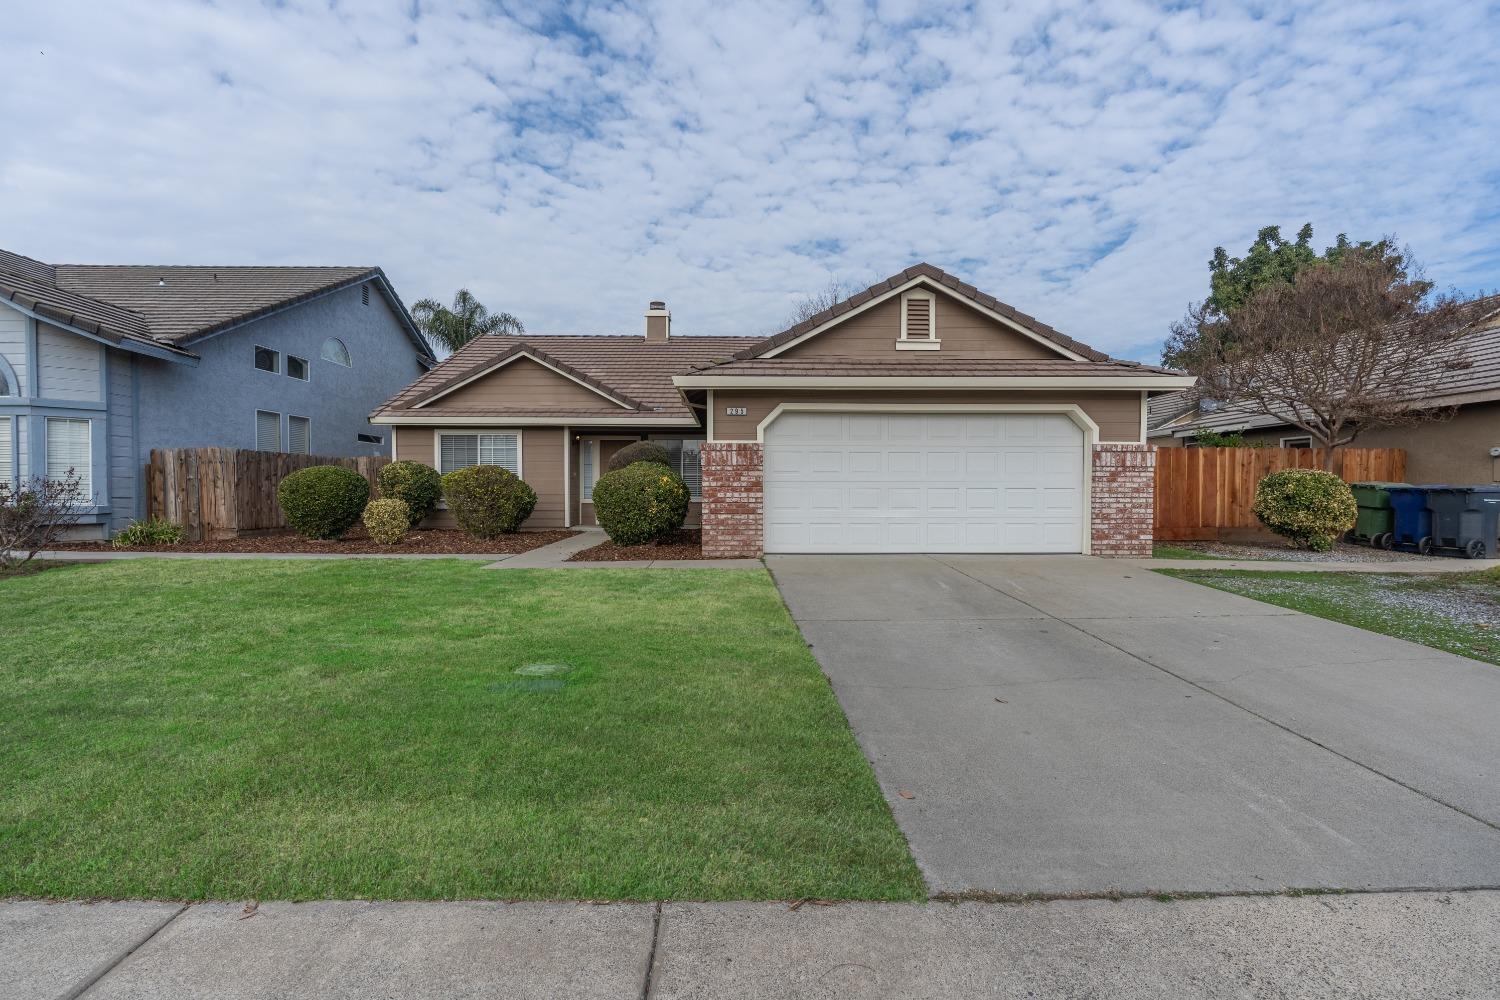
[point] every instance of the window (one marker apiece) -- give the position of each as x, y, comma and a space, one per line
7, 450
299, 435
918, 322
267, 430
459, 451
70, 446
370, 439
5, 389
1297, 442
267, 360
296, 367
687, 462
588, 468
335, 351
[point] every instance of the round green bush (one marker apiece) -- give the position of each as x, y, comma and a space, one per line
487, 500
1308, 507
387, 520
640, 503
323, 501
640, 451
418, 485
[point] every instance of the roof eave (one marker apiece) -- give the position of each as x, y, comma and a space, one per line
1120, 382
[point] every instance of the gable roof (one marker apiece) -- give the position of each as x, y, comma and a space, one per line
625, 368
1471, 374
938, 278
171, 306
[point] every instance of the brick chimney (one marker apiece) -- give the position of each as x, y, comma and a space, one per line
658, 323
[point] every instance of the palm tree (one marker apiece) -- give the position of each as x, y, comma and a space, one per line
451, 327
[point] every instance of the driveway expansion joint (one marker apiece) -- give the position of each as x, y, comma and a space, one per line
94, 978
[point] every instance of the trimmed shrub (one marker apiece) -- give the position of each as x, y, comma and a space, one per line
640, 451
418, 485
640, 503
487, 500
153, 532
323, 501
387, 520
1308, 507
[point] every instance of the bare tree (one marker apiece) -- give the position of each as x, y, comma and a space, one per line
1344, 347
36, 514
830, 295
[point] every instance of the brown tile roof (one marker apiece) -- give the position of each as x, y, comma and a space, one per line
940, 277
414, 396
834, 367
628, 366
172, 305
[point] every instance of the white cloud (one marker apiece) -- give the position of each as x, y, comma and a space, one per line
1078, 160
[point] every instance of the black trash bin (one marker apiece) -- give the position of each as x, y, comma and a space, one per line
1466, 518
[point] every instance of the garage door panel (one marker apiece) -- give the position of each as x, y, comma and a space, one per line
913, 482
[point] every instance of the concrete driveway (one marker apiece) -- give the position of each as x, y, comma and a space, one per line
1071, 725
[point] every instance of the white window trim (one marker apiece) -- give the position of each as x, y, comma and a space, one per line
255, 430
275, 371
906, 342
88, 468
297, 416
440, 432
9, 449
1296, 437
306, 366
347, 353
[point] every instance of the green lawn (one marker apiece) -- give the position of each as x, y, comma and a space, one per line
1456, 612
381, 729
1176, 552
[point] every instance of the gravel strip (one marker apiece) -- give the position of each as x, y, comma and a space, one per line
1461, 602
1342, 552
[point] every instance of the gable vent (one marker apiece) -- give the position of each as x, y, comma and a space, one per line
364, 295
918, 317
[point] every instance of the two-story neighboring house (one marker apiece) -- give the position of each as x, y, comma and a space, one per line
919, 415
99, 364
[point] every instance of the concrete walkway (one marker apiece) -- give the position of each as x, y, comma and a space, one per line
1368, 946
1060, 724
556, 556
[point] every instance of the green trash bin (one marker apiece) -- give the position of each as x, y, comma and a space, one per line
1376, 519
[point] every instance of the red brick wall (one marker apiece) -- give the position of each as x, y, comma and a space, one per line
1123, 488
733, 499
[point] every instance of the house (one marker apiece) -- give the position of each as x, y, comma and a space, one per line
101, 364
1457, 450
919, 415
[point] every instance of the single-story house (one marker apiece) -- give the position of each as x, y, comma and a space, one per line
919, 415
1457, 450
99, 364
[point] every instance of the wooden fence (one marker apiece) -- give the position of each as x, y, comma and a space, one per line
217, 493
1205, 493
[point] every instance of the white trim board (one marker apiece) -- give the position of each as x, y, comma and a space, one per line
528, 355
577, 423
927, 282
903, 382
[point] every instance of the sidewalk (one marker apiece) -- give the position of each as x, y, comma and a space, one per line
1368, 946
555, 556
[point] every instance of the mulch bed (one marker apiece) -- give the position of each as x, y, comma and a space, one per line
684, 544
356, 542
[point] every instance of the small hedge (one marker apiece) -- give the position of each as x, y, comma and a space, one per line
153, 532
323, 501
387, 520
640, 451
640, 503
418, 485
487, 500
1308, 507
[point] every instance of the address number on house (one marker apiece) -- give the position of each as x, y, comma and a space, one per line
735, 411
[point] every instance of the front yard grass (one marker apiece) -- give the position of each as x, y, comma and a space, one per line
400, 730
1455, 612
1160, 551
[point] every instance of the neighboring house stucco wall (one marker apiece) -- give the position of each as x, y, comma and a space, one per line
214, 404
13, 334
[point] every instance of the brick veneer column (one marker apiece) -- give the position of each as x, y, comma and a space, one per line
733, 499
1124, 488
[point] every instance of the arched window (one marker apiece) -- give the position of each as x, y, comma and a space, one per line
335, 351
8, 384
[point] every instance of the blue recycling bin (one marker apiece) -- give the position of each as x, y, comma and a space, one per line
1412, 523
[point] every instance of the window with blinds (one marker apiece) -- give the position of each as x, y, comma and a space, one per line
916, 317
459, 451
687, 462
7, 450
267, 430
70, 446
588, 466
299, 435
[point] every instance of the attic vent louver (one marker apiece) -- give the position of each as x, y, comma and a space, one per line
918, 322
364, 295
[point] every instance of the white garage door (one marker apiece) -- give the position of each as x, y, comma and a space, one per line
923, 482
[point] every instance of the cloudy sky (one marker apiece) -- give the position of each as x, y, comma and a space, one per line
568, 163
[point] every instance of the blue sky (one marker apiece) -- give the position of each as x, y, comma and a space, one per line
568, 163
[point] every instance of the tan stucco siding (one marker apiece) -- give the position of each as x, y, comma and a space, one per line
1118, 414
520, 383
541, 467
962, 331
